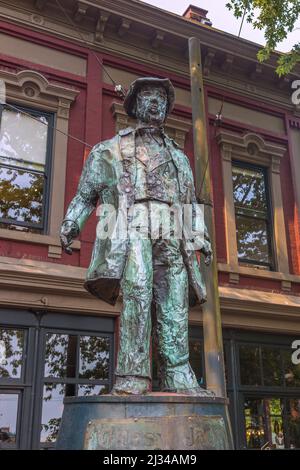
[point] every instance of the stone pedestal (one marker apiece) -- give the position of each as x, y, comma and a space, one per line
158, 421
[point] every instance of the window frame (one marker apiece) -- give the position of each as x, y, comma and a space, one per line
37, 324
268, 219
43, 226
32, 89
251, 148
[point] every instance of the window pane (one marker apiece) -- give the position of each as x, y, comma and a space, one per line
23, 140
249, 190
21, 195
86, 390
53, 397
250, 365
271, 363
196, 351
11, 353
252, 240
291, 371
60, 355
8, 419
264, 423
274, 425
293, 423
254, 419
94, 357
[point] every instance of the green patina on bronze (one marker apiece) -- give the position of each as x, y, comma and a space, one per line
147, 167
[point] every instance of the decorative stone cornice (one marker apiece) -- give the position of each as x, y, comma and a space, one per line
250, 147
26, 283
158, 39
80, 10
227, 63
294, 123
33, 87
145, 22
176, 128
124, 27
101, 25
208, 62
256, 71
40, 4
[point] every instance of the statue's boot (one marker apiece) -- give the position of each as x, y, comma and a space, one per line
131, 385
181, 379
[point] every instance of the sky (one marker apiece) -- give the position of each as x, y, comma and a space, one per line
223, 19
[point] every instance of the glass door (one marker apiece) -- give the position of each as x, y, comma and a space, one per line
272, 422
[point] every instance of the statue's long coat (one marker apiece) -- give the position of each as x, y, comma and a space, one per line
101, 181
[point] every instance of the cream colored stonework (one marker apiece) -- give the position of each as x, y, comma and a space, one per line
25, 50
247, 116
253, 148
55, 98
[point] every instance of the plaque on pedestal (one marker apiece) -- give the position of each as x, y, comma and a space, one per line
158, 421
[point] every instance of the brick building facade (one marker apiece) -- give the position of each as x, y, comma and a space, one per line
56, 339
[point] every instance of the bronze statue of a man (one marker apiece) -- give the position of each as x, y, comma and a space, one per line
144, 167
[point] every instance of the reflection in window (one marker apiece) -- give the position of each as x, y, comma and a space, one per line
264, 423
53, 397
271, 361
8, 419
60, 355
293, 423
252, 214
291, 371
94, 357
196, 359
89, 389
11, 353
250, 369
23, 149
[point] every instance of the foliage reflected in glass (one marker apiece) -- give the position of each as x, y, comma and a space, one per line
94, 357
11, 353
255, 433
23, 149
251, 209
264, 423
250, 367
21, 195
272, 370
53, 396
8, 420
196, 359
88, 389
291, 371
293, 423
252, 240
60, 355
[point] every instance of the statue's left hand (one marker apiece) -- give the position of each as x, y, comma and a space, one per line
69, 231
207, 251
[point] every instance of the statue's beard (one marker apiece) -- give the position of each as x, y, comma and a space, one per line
149, 116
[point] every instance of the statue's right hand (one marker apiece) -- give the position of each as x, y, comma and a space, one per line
69, 231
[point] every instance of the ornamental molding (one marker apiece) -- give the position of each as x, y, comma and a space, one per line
32, 88
294, 123
175, 128
250, 147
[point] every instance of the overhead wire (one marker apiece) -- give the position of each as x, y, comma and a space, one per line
218, 119
19, 110
118, 88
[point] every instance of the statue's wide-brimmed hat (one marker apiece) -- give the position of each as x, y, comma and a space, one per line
129, 102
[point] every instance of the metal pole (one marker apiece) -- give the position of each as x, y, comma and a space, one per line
212, 326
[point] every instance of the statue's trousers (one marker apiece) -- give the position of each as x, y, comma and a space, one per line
155, 272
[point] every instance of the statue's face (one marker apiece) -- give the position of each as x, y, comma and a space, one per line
151, 104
